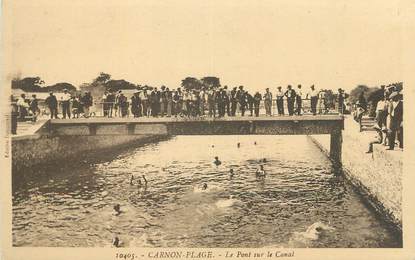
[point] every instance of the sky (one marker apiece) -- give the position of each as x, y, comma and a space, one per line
258, 44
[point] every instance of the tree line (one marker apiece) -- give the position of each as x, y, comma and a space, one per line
36, 84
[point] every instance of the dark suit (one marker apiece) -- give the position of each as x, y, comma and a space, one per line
396, 125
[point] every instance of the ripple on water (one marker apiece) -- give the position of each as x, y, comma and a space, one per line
74, 206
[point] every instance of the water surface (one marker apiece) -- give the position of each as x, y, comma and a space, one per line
302, 202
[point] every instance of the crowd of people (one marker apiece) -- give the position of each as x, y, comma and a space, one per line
389, 116
215, 102
163, 102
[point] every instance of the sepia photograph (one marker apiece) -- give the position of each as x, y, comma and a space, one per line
165, 125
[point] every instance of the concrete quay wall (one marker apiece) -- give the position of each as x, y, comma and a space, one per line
31, 150
377, 176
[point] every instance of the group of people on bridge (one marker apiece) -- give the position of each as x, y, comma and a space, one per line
216, 102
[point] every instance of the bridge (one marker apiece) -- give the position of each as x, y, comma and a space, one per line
284, 125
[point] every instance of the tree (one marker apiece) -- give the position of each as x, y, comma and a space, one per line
191, 83
355, 93
116, 85
102, 78
28, 84
59, 87
211, 82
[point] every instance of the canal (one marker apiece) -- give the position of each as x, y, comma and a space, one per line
302, 201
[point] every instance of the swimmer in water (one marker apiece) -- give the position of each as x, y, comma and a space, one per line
231, 173
238, 145
255, 143
116, 242
264, 160
205, 186
117, 209
260, 173
213, 146
217, 162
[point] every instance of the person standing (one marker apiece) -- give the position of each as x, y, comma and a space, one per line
23, 106
240, 96
65, 100
105, 105
234, 101
243, 102
144, 102
220, 102
76, 107
299, 100
52, 104
291, 95
396, 116
136, 104
202, 101
250, 101
117, 111
381, 111
169, 97
34, 107
110, 99
280, 101
151, 100
123, 105
313, 96
227, 100
340, 99
321, 95
14, 115
268, 102
211, 102
87, 103
163, 101
257, 101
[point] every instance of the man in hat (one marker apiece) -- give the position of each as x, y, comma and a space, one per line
313, 96
267, 102
65, 101
280, 101
299, 100
110, 100
291, 95
52, 104
234, 101
341, 96
396, 126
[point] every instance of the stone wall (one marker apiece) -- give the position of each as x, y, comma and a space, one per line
377, 176
37, 149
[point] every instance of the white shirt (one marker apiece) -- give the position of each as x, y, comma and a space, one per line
66, 97
381, 105
21, 102
313, 93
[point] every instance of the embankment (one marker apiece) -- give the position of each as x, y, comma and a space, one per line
377, 176
31, 150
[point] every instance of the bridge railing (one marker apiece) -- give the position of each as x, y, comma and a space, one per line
97, 109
